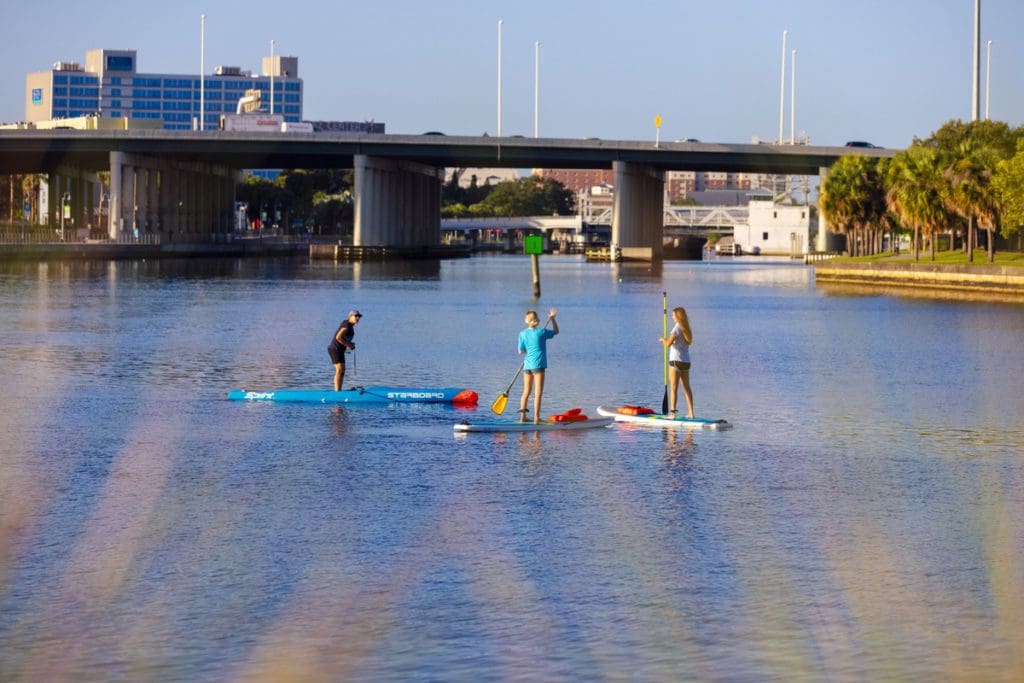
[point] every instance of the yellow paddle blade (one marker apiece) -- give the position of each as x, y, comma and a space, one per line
498, 407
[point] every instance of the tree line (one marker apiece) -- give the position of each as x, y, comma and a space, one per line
962, 178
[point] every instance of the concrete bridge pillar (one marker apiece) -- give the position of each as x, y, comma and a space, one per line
398, 203
822, 240
637, 221
115, 218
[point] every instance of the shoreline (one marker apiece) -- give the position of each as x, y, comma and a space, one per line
995, 280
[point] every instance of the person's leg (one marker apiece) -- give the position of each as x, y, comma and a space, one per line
539, 380
527, 388
673, 388
339, 375
687, 392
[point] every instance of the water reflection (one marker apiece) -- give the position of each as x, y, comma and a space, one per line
863, 520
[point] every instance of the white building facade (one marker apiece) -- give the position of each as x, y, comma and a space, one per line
111, 85
777, 229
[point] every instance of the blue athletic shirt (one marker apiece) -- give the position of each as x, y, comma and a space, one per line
533, 340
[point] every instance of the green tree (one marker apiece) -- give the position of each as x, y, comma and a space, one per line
1008, 184
914, 183
529, 196
969, 191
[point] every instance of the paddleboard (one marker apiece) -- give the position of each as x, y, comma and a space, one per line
664, 420
544, 426
371, 394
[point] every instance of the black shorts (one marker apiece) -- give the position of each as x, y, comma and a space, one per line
535, 371
337, 354
679, 365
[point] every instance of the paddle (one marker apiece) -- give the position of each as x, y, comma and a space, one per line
664, 326
498, 407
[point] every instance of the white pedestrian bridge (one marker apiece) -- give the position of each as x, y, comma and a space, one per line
699, 219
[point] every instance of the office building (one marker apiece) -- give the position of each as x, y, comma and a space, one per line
111, 85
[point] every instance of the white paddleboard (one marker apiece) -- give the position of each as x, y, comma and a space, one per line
664, 420
516, 426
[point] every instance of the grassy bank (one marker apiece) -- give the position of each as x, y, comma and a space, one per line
1006, 258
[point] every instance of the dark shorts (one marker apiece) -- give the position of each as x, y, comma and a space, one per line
337, 354
534, 371
679, 365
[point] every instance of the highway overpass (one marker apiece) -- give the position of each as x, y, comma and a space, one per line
182, 181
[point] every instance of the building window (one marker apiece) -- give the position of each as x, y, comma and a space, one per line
60, 78
764, 236
775, 214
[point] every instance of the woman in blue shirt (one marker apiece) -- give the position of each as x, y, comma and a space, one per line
533, 342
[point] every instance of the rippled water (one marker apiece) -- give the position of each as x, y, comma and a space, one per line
864, 519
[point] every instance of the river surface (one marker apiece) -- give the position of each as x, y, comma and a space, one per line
863, 520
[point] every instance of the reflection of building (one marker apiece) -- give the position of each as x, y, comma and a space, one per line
111, 85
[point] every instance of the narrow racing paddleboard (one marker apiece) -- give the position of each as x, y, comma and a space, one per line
372, 394
663, 420
516, 426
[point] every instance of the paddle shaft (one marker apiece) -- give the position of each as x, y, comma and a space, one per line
664, 327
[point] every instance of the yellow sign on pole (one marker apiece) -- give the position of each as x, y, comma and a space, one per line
657, 121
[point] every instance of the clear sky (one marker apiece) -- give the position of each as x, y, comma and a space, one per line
877, 70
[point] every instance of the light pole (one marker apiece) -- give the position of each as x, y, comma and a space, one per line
976, 71
202, 72
792, 99
499, 77
782, 87
536, 89
988, 77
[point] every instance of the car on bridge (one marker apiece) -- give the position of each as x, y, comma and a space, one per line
861, 143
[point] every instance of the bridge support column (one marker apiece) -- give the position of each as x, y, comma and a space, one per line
823, 241
398, 203
637, 220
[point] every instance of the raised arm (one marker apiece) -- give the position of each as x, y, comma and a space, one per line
554, 322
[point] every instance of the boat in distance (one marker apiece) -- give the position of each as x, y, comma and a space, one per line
370, 394
662, 420
517, 426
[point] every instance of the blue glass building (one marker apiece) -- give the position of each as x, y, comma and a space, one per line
111, 85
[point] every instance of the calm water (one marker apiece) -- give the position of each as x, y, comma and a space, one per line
864, 520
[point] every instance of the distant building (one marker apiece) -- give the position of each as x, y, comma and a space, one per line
780, 229
578, 179
111, 86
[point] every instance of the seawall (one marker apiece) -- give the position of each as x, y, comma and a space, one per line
993, 279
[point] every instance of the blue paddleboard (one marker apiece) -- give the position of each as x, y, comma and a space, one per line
371, 394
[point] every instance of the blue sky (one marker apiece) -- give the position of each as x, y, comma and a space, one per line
877, 70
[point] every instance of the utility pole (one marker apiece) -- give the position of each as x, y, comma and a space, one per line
536, 89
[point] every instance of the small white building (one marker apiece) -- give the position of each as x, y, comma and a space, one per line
777, 229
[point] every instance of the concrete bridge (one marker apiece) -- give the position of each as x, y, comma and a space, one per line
182, 182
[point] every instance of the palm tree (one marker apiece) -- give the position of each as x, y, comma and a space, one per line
852, 198
1008, 184
969, 192
914, 184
